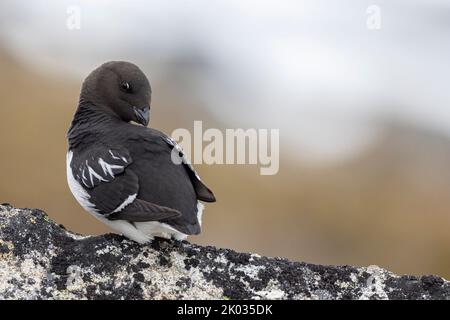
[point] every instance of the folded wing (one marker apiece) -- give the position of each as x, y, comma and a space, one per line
202, 191
113, 187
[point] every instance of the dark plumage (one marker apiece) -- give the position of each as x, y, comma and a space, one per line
123, 173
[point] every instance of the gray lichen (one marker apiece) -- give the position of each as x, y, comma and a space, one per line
41, 260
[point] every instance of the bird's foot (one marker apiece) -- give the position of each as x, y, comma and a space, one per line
140, 238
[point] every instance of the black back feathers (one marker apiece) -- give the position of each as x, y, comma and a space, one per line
202, 191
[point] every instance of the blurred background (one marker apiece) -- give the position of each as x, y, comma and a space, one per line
360, 94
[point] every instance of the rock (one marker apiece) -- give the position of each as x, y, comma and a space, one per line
42, 260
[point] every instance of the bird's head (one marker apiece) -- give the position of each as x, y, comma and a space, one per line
120, 88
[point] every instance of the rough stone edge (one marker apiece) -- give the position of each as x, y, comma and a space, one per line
42, 260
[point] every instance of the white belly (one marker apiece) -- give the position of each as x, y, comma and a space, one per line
77, 190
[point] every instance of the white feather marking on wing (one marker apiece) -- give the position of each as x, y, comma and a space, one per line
93, 174
108, 168
127, 201
113, 156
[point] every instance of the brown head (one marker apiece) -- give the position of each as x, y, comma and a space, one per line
120, 88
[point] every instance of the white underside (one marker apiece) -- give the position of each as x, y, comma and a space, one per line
78, 191
140, 232
144, 232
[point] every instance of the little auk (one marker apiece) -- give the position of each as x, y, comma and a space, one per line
123, 173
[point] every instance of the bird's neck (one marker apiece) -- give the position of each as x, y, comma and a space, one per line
89, 122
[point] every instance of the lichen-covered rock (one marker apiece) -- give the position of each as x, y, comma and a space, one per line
41, 260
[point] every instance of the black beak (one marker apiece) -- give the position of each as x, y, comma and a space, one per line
142, 115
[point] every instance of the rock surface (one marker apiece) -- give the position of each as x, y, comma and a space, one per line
41, 260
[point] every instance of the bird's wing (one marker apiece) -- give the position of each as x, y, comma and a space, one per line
113, 188
202, 191
101, 165
140, 211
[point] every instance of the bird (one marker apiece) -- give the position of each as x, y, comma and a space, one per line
122, 171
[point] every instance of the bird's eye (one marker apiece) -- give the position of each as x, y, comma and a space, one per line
126, 86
